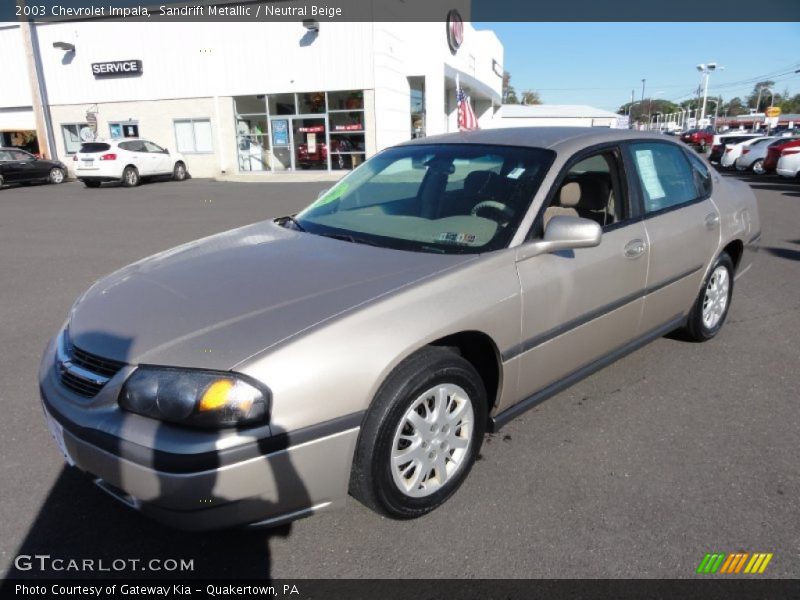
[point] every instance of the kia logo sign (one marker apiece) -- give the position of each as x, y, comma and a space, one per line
117, 68
455, 30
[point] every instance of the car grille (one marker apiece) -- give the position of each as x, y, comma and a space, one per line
83, 372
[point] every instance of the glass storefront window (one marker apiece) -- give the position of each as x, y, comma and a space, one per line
246, 105
311, 103
347, 121
281, 104
347, 100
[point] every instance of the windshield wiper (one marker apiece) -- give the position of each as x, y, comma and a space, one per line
293, 221
346, 237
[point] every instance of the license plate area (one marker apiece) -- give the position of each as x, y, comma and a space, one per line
87, 162
57, 431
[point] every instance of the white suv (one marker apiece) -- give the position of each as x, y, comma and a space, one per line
128, 161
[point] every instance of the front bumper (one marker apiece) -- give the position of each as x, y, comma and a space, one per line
174, 478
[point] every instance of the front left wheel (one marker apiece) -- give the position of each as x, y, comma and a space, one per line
421, 435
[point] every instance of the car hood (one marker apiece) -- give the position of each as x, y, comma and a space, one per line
215, 302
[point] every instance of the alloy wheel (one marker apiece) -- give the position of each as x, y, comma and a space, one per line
715, 300
432, 441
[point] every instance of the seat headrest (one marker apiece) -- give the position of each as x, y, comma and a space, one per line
594, 192
570, 194
480, 183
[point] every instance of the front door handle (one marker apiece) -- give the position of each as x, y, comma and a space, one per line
635, 248
712, 220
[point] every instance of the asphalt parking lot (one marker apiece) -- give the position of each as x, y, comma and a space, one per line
677, 450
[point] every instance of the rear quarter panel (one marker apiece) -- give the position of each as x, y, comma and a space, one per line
739, 217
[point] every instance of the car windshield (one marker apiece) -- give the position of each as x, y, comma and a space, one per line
448, 198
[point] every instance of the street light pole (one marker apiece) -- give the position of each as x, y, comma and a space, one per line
641, 105
706, 70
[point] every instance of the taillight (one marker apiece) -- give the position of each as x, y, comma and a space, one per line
745, 151
109, 156
74, 158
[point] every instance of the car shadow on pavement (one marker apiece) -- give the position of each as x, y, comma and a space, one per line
78, 521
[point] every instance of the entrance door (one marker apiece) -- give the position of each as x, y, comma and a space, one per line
281, 144
310, 150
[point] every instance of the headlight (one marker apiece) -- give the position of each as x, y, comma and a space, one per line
196, 398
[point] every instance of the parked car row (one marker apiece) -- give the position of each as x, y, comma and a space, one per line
757, 153
128, 161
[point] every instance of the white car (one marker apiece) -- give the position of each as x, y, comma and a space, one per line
734, 151
752, 157
128, 161
789, 162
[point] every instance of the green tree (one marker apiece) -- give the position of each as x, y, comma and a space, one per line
734, 107
760, 97
531, 97
509, 93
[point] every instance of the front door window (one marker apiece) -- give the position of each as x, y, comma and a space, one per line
310, 149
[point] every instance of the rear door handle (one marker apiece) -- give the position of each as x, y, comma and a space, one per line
635, 248
712, 220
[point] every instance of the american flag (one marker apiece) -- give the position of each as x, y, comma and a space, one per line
466, 116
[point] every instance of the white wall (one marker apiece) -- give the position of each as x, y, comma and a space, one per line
186, 60
15, 89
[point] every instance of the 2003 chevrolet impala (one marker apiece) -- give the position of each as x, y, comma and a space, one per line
366, 344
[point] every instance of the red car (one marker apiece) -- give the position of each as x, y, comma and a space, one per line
698, 137
306, 160
774, 153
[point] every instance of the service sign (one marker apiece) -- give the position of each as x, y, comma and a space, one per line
117, 68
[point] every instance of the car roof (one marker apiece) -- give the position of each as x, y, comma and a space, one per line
560, 139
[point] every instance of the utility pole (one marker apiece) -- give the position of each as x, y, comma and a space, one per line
36, 82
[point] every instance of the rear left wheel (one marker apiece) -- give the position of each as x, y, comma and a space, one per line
56, 175
130, 177
713, 302
421, 435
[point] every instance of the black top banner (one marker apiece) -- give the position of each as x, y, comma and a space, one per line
402, 10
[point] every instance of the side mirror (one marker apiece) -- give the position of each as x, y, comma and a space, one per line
564, 233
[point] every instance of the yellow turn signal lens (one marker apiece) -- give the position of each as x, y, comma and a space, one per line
216, 395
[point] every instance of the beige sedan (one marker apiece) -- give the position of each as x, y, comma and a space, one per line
366, 344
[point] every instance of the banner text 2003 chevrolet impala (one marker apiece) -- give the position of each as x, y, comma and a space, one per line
368, 343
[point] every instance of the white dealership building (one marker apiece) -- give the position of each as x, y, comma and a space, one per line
241, 96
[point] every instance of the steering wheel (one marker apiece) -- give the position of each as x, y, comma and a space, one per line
505, 211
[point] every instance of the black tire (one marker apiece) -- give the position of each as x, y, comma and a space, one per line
758, 167
92, 184
2, 180
130, 177
56, 176
696, 330
179, 172
371, 480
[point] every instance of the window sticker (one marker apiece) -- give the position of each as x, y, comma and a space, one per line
649, 175
453, 237
515, 173
332, 194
